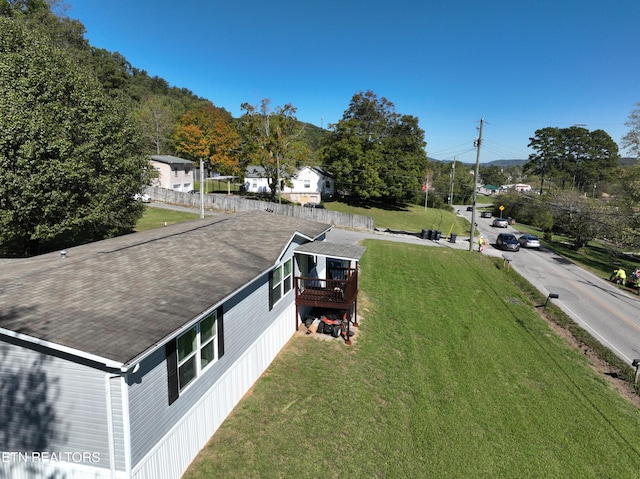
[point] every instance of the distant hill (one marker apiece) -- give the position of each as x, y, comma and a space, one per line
501, 163
628, 161
509, 163
505, 163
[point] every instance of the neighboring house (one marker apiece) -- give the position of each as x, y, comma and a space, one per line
488, 189
520, 187
174, 173
121, 358
308, 184
255, 180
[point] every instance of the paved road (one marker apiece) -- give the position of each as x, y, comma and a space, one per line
609, 313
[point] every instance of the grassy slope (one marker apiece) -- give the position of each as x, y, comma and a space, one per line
452, 375
412, 218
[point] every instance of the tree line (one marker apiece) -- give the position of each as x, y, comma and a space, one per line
78, 123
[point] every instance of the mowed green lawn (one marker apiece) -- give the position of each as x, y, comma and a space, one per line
159, 217
452, 374
410, 218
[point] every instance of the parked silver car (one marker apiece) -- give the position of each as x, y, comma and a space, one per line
500, 223
529, 241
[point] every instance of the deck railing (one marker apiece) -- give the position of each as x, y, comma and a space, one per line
327, 292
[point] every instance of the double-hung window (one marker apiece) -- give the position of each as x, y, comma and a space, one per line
193, 351
280, 282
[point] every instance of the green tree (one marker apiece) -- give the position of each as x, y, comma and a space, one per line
112, 70
578, 217
375, 152
631, 141
271, 139
573, 156
68, 162
157, 117
547, 144
493, 175
625, 207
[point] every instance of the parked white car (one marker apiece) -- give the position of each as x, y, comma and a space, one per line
145, 198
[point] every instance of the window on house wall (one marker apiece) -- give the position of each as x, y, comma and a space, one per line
280, 282
175, 172
254, 183
327, 184
193, 352
307, 183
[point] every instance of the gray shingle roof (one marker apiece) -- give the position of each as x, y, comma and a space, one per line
335, 250
171, 160
117, 298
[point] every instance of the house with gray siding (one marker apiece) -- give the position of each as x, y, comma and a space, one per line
121, 358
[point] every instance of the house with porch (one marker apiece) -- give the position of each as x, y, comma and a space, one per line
121, 358
307, 185
173, 173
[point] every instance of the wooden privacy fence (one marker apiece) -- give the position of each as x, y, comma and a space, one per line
231, 203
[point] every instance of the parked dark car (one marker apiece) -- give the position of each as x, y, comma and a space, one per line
313, 205
485, 214
529, 241
500, 223
508, 242
469, 208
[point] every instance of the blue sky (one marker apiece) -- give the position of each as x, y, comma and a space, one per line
522, 65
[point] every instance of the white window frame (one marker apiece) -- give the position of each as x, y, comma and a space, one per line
203, 342
282, 281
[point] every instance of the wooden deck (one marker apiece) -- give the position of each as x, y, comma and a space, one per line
327, 293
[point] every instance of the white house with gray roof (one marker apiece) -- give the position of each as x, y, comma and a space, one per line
121, 358
307, 185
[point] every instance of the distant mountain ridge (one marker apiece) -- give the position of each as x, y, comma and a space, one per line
626, 161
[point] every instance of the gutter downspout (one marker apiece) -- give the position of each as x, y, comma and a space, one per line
110, 433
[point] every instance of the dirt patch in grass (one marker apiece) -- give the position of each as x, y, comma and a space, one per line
614, 377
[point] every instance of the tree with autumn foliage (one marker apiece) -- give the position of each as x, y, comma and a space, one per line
207, 133
272, 140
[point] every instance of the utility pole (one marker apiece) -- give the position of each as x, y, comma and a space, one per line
475, 185
452, 176
201, 188
425, 187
